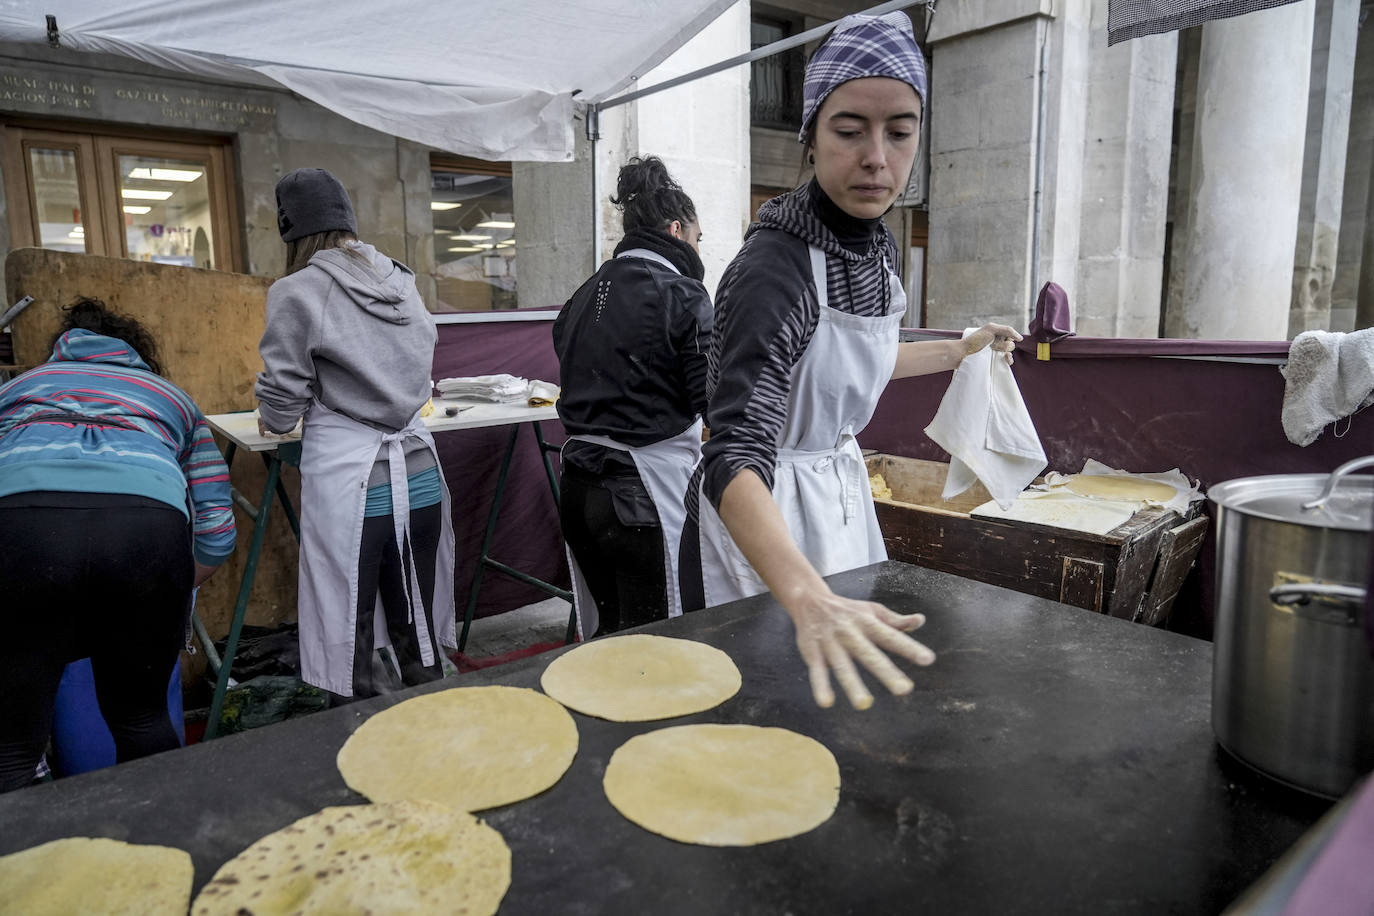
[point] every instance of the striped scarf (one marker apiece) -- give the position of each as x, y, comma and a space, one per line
856, 283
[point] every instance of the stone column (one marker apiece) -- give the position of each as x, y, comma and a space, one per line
1364, 294
985, 130
1125, 183
1247, 174
1328, 129
700, 130
1359, 168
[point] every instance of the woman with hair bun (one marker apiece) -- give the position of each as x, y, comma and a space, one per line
631, 346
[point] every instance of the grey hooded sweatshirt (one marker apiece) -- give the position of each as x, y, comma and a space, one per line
351, 330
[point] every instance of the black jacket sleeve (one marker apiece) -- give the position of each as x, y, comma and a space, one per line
691, 325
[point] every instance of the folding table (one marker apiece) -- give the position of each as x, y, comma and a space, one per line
241, 431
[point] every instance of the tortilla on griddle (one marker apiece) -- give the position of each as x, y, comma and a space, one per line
96, 876
397, 857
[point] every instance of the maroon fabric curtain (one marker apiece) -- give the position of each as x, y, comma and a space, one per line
527, 532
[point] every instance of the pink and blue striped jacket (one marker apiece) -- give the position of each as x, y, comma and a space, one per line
95, 419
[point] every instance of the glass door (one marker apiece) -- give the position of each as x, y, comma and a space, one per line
145, 199
171, 202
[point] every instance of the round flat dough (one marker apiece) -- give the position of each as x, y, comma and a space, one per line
1105, 486
95, 876
724, 785
638, 678
398, 857
470, 748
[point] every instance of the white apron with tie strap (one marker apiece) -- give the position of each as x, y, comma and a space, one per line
666, 469
337, 455
820, 483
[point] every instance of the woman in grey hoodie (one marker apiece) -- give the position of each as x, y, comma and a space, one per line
349, 346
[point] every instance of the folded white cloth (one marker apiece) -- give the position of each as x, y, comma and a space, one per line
984, 425
499, 389
1329, 375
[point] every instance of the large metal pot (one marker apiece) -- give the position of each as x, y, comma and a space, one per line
1293, 674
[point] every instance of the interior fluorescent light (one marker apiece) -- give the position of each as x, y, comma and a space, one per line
138, 194
443, 205
506, 244
469, 237
467, 248
485, 246
148, 174
496, 224
137, 211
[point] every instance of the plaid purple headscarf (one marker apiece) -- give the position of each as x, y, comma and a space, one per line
862, 46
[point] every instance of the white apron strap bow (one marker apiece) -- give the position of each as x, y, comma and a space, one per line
392, 444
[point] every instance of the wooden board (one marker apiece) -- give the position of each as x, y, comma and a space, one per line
1178, 551
207, 324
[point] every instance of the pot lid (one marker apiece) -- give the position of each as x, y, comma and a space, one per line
1280, 497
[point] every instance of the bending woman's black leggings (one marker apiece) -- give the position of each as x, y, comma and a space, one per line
621, 563
382, 572
110, 580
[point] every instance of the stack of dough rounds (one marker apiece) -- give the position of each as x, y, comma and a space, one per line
399, 857
724, 785
1120, 487
638, 678
96, 876
470, 748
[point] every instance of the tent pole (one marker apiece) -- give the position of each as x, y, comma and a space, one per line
594, 134
757, 54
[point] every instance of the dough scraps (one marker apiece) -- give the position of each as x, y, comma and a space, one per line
1110, 486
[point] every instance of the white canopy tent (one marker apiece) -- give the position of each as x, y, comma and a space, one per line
491, 80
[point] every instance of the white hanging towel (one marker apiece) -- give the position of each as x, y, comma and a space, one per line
983, 424
1329, 376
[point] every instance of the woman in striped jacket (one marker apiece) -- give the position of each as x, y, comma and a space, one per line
114, 504
806, 337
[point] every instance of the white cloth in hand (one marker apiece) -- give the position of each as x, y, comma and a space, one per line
1329, 375
984, 425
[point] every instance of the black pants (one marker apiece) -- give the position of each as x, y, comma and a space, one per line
381, 571
621, 563
111, 581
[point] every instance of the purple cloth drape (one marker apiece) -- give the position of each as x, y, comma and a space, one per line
1052, 320
1340, 882
527, 531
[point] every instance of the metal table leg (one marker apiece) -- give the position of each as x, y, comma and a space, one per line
485, 560
250, 569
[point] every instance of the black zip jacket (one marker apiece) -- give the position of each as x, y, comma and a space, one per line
631, 345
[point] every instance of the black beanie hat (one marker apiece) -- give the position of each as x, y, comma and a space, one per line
311, 201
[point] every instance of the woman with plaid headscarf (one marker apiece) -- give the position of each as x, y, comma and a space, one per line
806, 337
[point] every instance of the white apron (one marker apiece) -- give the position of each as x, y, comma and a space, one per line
820, 483
666, 468
337, 454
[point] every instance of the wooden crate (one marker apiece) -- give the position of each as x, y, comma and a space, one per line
1121, 573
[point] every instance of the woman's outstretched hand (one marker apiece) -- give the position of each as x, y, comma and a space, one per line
834, 632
